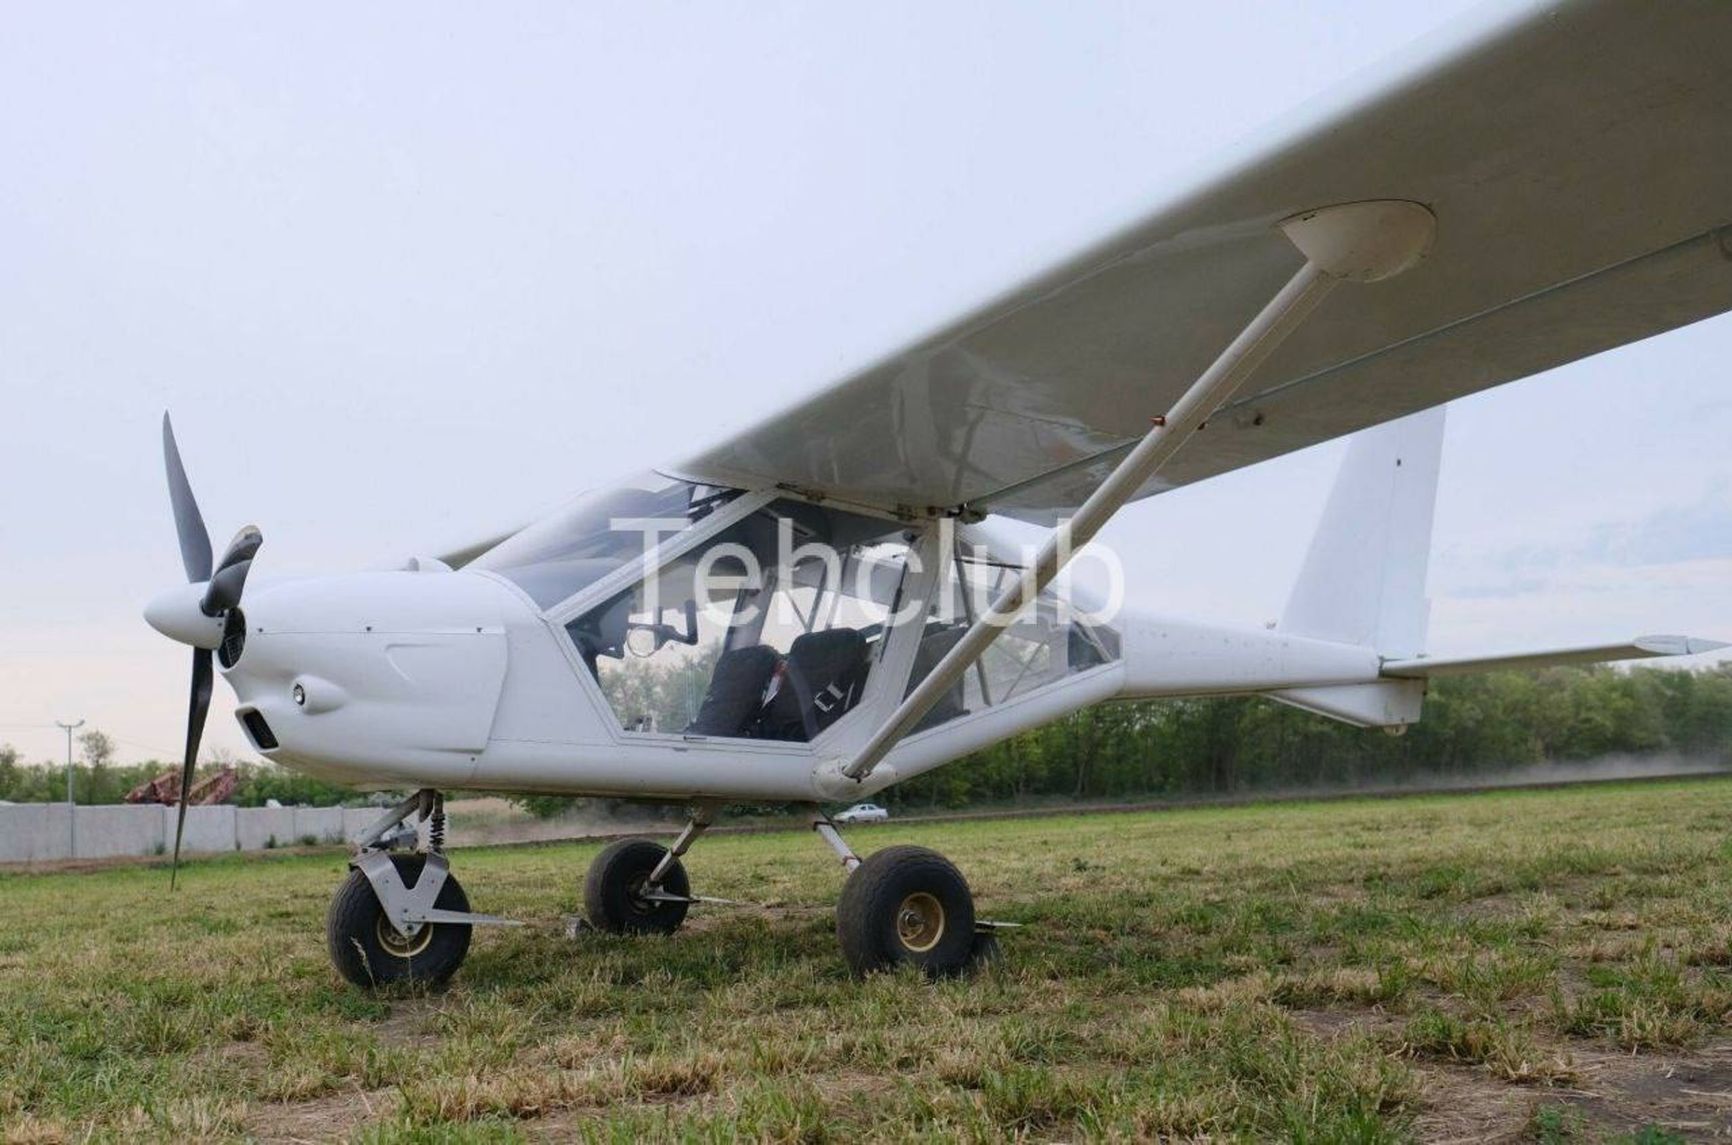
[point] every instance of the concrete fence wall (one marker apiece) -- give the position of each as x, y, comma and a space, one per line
42, 832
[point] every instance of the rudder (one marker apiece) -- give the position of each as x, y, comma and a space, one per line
1363, 579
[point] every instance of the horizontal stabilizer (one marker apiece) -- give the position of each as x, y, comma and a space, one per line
1641, 648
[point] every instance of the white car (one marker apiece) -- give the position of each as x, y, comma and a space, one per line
862, 813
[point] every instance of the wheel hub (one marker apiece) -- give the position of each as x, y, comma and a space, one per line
397, 946
920, 922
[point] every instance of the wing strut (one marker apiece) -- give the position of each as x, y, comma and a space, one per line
1364, 242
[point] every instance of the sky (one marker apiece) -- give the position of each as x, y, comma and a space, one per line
409, 274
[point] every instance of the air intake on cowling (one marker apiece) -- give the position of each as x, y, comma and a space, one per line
234, 638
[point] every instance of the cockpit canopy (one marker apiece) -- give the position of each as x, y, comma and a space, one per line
770, 618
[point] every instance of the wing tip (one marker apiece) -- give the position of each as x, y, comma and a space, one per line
1669, 645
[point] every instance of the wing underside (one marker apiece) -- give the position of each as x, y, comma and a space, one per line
1575, 156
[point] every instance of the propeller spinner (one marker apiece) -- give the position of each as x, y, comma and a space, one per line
205, 613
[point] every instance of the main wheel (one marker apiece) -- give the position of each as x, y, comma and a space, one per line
906, 905
367, 950
612, 893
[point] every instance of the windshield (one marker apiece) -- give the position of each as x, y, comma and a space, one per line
600, 531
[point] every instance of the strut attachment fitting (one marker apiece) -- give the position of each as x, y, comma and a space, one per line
1359, 242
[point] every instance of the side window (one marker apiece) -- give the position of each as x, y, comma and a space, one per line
1044, 645
770, 630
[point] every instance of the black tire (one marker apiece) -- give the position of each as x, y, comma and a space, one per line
369, 952
906, 906
610, 892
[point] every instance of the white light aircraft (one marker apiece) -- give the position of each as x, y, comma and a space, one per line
824, 605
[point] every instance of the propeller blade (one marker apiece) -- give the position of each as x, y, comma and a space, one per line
197, 709
194, 538
231, 572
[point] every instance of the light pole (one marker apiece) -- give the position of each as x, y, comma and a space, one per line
71, 808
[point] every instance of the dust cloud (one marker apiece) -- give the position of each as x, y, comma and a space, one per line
491, 820
1604, 769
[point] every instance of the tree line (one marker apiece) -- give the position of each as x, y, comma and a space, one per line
97, 778
1473, 726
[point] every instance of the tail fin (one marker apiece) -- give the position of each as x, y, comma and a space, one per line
1363, 581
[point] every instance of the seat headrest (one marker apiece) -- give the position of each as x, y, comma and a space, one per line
831, 642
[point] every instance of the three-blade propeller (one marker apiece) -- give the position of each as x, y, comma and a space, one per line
226, 581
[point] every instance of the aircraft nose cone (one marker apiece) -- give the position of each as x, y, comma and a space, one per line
177, 615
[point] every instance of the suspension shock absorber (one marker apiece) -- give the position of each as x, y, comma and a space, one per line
436, 826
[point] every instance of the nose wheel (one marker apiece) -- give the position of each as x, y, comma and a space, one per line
368, 950
402, 917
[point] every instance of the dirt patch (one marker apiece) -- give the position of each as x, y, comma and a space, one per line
327, 1118
1462, 1104
1501, 906
583, 1122
1343, 1023
249, 1056
407, 1024
1611, 1093
1687, 1094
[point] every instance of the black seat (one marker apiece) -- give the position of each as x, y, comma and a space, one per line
736, 691
602, 631
824, 675
933, 647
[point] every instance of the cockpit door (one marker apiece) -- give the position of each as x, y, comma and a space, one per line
775, 626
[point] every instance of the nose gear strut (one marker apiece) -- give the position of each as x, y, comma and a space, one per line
403, 917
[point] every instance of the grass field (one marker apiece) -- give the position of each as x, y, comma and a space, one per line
1528, 965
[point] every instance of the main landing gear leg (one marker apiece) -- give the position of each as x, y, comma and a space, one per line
402, 917
905, 906
637, 886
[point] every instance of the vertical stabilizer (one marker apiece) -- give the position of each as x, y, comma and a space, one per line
1363, 580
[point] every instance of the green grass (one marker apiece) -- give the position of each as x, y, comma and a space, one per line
1363, 971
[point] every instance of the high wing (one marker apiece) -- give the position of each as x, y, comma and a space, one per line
1579, 162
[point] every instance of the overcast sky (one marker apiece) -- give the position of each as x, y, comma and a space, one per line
406, 274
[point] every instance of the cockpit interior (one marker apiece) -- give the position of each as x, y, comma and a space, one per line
771, 625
